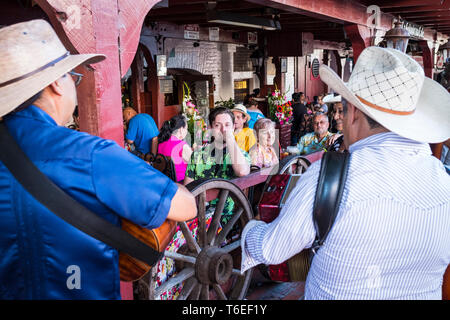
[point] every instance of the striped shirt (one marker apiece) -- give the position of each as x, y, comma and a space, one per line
391, 238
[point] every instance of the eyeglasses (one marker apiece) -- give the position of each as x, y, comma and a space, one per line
77, 77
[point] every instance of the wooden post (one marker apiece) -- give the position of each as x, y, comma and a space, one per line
360, 38
137, 74
91, 26
427, 54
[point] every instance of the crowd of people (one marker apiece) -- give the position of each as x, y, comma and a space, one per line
240, 137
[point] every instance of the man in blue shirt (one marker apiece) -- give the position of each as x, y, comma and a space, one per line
43, 257
142, 130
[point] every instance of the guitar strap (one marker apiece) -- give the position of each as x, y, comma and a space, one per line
67, 208
332, 177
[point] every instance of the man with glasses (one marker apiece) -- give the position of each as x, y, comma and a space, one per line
317, 140
43, 257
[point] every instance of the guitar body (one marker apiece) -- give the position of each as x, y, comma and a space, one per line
276, 193
132, 269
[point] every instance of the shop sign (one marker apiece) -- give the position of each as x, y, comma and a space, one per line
192, 31
166, 85
214, 34
252, 38
414, 30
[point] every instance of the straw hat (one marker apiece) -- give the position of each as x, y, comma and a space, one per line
391, 88
241, 108
31, 58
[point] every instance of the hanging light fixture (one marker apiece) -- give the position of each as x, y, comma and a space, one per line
397, 37
257, 58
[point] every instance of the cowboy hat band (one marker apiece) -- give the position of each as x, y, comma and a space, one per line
31, 58
390, 87
370, 104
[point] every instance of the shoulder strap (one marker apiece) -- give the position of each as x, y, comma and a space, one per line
67, 208
333, 174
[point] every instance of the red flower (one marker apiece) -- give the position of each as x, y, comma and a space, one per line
279, 108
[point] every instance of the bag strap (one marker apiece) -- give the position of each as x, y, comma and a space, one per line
67, 208
332, 177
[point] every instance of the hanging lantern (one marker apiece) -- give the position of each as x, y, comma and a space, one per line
397, 37
257, 58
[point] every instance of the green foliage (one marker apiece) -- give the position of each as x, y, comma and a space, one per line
225, 103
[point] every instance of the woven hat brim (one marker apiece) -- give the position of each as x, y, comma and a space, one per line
429, 123
15, 94
247, 116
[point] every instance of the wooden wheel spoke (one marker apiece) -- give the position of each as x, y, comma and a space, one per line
192, 244
180, 257
188, 286
228, 227
204, 294
232, 246
177, 279
219, 291
215, 222
242, 281
237, 272
195, 294
201, 216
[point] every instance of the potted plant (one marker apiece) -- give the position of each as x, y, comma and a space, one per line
196, 124
280, 111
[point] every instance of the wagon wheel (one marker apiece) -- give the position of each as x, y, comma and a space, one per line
208, 265
294, 164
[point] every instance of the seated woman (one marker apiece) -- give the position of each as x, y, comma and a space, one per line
263, 154
245, 137
254, 113
171, 144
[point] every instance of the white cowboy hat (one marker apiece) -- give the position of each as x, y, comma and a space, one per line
31, 58
241, 108
391, 88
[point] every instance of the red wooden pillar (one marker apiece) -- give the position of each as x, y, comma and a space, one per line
428, 63
427, 54
360, 38
137, 88
100, 26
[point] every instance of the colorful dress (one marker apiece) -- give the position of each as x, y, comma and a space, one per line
263, 157
309, 143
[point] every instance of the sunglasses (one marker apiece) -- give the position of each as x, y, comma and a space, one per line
77, 77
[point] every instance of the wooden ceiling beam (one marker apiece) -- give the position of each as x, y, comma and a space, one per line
404, 10
339, 11
404, 3
425, 20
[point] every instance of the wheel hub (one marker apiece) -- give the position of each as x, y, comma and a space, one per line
213, 266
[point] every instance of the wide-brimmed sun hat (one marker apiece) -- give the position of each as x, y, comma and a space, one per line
31, 58
391, 88
242, 109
